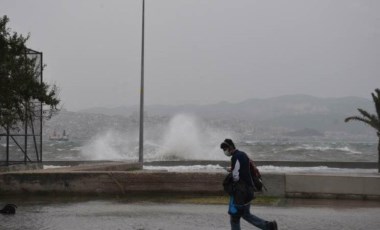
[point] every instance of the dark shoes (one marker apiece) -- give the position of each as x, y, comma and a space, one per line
273, 225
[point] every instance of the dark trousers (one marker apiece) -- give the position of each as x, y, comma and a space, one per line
243, 212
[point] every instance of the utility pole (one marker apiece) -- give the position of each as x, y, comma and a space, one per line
141, 138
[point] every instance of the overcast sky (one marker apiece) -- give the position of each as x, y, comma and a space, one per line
202, 51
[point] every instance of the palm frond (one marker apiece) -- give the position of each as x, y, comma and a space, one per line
374, 119
369, 122
378, 92
356, 118
365, 114
376, 100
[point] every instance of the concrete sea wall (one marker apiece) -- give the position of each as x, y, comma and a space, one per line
333, 186
108, 182
117, 180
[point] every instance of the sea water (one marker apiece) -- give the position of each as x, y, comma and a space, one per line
187, 137
259, 150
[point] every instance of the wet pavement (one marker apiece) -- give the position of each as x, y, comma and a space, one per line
96, 215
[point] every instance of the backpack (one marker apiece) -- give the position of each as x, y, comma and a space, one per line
256, 177
240, 191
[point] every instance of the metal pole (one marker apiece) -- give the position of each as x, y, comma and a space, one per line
7, 147
141, 138
26, 132
26, 115
34, 139
41, 112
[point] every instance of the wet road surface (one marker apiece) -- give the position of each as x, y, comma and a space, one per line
96, 215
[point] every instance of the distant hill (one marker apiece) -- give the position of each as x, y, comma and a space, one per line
283, 109
291, 105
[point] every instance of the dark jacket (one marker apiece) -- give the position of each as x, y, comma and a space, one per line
240, 167
242, 185
241, 192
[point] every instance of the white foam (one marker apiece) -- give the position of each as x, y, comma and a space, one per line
110, 145
192, 168
188, 138
54, 166
185, 137
318, 169
322, 148
78, 148
263, 169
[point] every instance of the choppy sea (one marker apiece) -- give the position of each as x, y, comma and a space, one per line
259, 150
265, 150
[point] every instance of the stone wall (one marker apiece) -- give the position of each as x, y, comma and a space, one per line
124, 182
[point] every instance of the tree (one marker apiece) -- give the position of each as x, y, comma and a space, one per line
20, 86
371, 119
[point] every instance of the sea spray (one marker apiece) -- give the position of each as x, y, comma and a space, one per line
111, 145
182, 139
187, 137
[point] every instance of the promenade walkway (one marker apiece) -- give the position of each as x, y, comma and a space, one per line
96, 215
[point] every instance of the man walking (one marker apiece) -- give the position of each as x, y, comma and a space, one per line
243, 185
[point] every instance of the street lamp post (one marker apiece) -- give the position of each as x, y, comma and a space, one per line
141, 137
